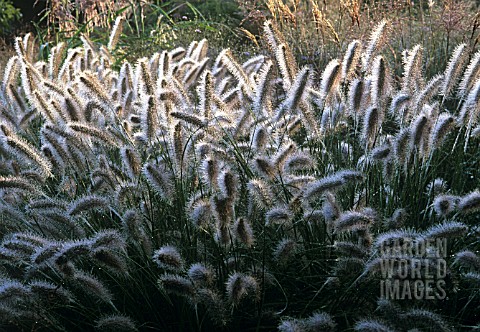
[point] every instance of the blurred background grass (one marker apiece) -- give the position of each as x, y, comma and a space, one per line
317, 31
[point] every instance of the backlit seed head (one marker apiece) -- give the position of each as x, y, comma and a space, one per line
260, 139
278, 215
112, 260
368, 325
260, 193
178, 285
200, 274
290, 325
110, 238
227, 182
89, 202
214, 304
330, 208
467, 259
319, 321
353, 220
168, 257
299, 162
397, 219
243, 232
210, 170
115, 323
264, 167
92, 286
201, 213
445, 204
319, 187
239, 286
449, 229
437, 187
48, 292
284, 250
73, 250
469, 203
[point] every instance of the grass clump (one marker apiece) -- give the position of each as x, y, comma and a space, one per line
233, 195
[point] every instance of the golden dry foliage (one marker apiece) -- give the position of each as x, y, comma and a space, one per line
67, 15
322, 23
352, 7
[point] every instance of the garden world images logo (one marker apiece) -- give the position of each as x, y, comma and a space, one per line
413, 270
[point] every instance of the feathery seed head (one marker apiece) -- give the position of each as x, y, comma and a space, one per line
319, 321
282, 155
260, 193
454, 68
330, 208
278, 215
158, 178
467, 259
398, 218
350, 175
131, 161
299, 161
48, 291
89, 202
201, 213
91, 286
424, 96
12, 291
72, 250
330, 79
290, 325
210, 169
380, 86
284, 250
17, 183
260, 139
381, 152
112, 260
43, 254
264, 167
115, 323
168, 258
243, 232
178, 285
418, 129
371, 123
400, 145
351, 59
356, 96
214, 304
443, 126
412, 76
319, 187
239, 286
115, 34
449, 229
399, 104
428, 319
437, 186
201, 275
469, 203
470, 75
110, 238
228, 184
377, 39
350, 249
445, 204
370, 325
353, 220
